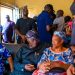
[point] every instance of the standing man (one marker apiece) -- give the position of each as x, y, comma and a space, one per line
59, 20
44, 24
8, 30
23, 25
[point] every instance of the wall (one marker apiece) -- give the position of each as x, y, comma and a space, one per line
36, 6
8, 2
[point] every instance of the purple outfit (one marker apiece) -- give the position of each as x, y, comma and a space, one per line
8, 31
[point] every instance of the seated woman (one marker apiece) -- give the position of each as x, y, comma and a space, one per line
55, 57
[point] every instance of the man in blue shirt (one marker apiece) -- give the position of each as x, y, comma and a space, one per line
44, 24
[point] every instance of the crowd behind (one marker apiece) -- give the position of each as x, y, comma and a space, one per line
49, 43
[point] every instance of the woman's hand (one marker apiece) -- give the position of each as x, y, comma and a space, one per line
45, 66
29, 67
55, 64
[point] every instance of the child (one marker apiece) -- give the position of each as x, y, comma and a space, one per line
4, 53
68, 28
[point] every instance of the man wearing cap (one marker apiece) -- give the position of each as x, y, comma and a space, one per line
23, 25
29, 54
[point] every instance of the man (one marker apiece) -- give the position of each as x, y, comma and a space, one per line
28, 56
59, 20
23, 25
8, 30
44, 24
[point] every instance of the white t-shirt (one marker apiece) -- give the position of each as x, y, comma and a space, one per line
60, 22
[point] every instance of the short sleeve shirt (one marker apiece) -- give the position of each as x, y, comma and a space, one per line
42, 21
24, 25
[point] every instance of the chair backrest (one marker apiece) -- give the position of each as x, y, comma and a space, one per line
13, 48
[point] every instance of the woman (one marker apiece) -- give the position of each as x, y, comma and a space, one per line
55, 57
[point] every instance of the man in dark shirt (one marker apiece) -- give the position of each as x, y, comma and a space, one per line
28, 56
23, 25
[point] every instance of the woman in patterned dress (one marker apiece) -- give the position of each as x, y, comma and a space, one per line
55, 57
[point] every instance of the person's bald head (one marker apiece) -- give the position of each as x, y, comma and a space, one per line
48, 8
7, 17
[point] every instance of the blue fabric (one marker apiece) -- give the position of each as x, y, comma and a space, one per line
4, 53
61, 35
42, 21
26, 55
65, 57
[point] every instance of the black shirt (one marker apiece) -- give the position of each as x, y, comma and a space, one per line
24, 25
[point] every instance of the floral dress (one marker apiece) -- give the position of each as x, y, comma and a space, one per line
64, 57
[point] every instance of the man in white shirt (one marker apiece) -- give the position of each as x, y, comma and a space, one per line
59, 21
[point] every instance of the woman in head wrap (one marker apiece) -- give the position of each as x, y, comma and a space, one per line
55, 58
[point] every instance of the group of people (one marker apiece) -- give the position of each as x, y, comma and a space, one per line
43, 52
37, 58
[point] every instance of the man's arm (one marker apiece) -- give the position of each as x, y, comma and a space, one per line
48, 22
18, 65
22, 36
59, 64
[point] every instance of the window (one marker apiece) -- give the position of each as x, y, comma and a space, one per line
12, 12
5, 11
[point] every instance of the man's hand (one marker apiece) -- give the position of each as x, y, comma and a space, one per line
29, 67
23, 38
48, 28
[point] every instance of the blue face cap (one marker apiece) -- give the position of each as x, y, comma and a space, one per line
61, 35
32, 34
